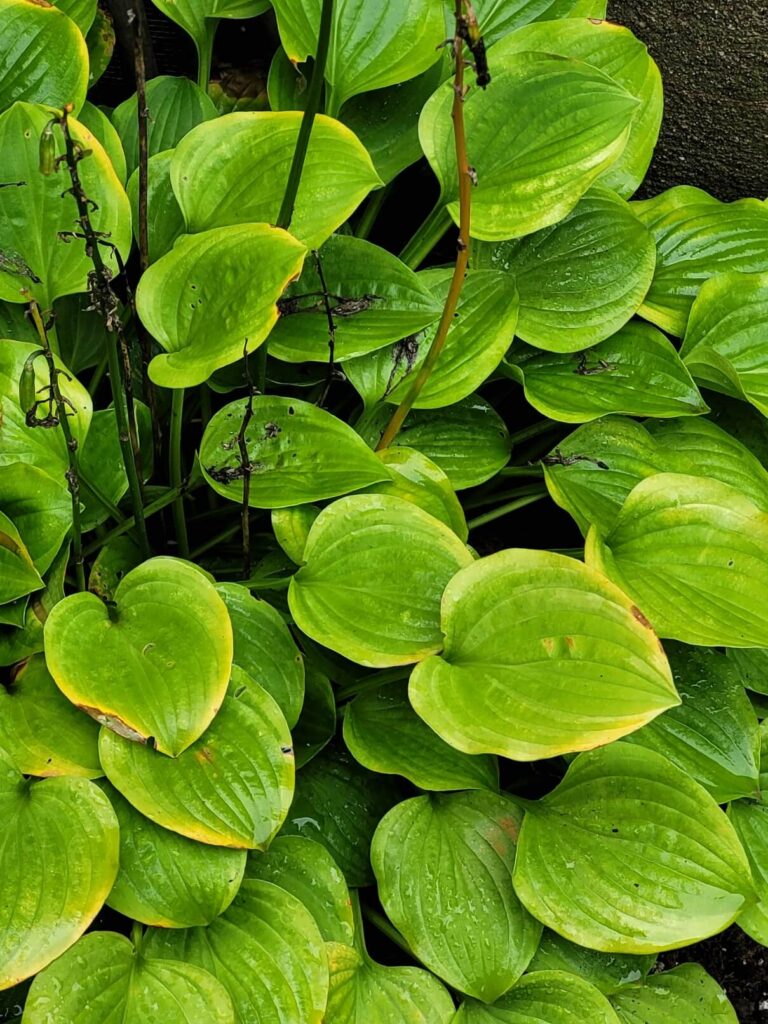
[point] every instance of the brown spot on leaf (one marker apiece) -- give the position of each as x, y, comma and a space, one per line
640, 617
511, 826
204, 755
113, 722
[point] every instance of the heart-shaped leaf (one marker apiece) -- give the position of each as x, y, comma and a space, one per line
307, 871
265, 949
469, 441
264, 648
546, 997
697, 237
339, 804
637, 372
409, 554
316, 725
165, 221
630, 855
233, 787
175, 105
156, 664
713, 735
104, 975
42, 733
99, 125
44, 59
57, 871
724, 343
542, 656
591, 472
364, 992
477, 340
181, 301
615, 51
580, 280
385, 734
444, 865
166, 879
693, 553
416, 478
298, 453
686, 995
33, 256
608, 972
371, 46
552, 126
234, 171
373, 297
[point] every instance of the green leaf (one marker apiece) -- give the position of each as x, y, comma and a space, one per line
406, 554
265, 649
57, 865
101, 44
114, 560
724, 345
175, 105
580, 280
183, 305
477, 340
443, 865
18, 576
608, 972
37, 446
364, 992
371, 46
697, 237
317, 722
591, 472
385, 734
166, 879
686, 995
713, 735
542, 656
307, 871
234, 171
497, 18
267, 952
750, 820
19, 643
691, 552
637, 372
752, 666
552, 126
416, 478
546, 997
231, 788
165, 221
374, 300
97, 122
291, 528
630, 855
339, 804
41, 731
156, 664
615, 51
81, 332
469, 441
40, 508
44, 59
298, 453
82, 12
199, 18
104, 975
32, 255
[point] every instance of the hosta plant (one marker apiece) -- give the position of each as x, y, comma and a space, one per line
302, 717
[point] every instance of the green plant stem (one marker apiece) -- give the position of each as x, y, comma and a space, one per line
381, 924
502, 510
205, 55
534, 430
426, 237
73, 473
462, 245
128, 524
175, 470
102, 499
372, 210
219, 538
365, 685
508, 495
98, 374
515, 471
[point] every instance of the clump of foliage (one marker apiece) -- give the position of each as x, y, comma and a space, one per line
260, 694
